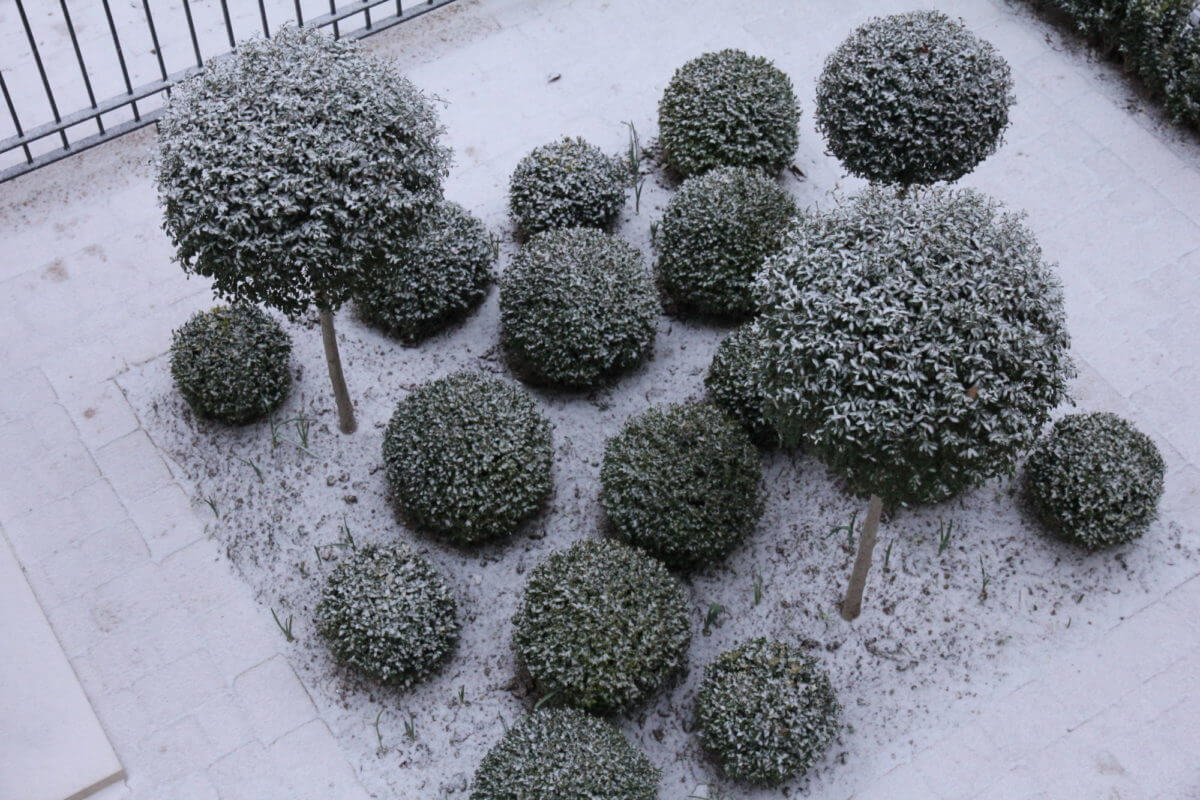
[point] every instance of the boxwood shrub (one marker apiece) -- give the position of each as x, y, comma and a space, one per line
566, 184
734, 382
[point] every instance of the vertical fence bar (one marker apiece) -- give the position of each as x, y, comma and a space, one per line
187, 12
333, 10
162, 64
367, 13
37, 58
228, 24
12, 112
299, 15
87, 80
112, 26
262, 12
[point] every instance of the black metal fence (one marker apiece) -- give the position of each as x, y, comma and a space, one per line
85, 79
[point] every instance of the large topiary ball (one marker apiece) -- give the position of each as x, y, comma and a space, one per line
468, 456
734, 382
567, 184
564, 754
714, 235
913, 99
577, 306
766, 711
388, 613
424, 282
1096, 480
601, 626
728, 109
917, 345
683, 483
232, 363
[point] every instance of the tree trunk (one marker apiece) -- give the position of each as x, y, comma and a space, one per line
340, 393
852, 604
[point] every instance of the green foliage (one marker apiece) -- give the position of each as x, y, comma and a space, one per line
567, 184
232, 363
469, 457
734, 382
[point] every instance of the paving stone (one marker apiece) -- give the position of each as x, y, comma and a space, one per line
274, 698
44, 529
240, 635
166, 520
133, 465
94, 560
316, 769
24, 394
100, 413
249, 774
179, 688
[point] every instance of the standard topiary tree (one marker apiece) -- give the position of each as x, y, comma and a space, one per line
913, 99
714, 235
601, 626
728, 109
916, 345
232, 363
564, 754
684, 483
469, 457
287, 166
766, 711
567, 184
734, 382
387, 612
1096, 480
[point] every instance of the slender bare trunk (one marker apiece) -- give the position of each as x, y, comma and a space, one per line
340, 393
852, 604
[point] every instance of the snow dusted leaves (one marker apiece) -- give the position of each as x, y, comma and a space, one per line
734, 382
567, 184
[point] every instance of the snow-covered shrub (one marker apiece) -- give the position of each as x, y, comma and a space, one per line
913, 99
728, 108
422, 283
1097, 19
766, 711
713, 236
916, 344
468, 456
387, 612
564, 754
577, 306
1096, 480
683, 483
601, 626
1160, 41
232, 363
734, 382
567, 184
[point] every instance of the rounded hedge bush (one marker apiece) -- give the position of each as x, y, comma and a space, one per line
387, 612
683, 483
427, 281
1096, 480
564, 754
728, 108
567, 184
577, 306
601, 626
714, 235
232, 363
468, 456
734, 382
766, 711
913, 98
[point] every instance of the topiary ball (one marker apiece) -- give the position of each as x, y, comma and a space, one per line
423, 283
734, 382
567, 184
232, 363
601, 626
388, 613
683, 483
714, 235
728, 109
468, 456
577, 307
913, 99
1096, 480
766, 712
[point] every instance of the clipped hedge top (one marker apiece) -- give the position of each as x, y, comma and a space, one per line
566, 184
734, 382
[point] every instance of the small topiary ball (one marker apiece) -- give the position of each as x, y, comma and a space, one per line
468, 456
1096, 480
766, 712
913, 99
425, 282
388, 613
714, 235
602, 626
577, 306
734, 383
232, 363
728, 109
683, 483
567, 184
564, 754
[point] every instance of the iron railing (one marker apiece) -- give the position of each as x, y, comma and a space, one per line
38, 85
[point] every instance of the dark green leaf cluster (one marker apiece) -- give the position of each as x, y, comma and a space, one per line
913, 99
387, 612
1096, 480
734, 382
232, 363
567, 184
469, 457
728, 108
684, 483
602, 626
